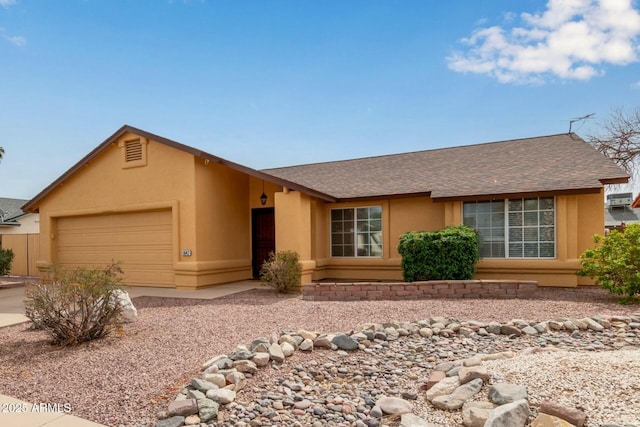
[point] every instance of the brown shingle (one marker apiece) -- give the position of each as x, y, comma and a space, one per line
544, 164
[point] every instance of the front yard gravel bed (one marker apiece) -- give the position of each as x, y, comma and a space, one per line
129, 379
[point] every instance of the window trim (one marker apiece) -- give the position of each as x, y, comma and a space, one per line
507, 227
355, 232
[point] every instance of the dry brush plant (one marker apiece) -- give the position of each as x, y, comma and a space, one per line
282, 271
75, 305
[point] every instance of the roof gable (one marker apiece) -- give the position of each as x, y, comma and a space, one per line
556, 163
32, 205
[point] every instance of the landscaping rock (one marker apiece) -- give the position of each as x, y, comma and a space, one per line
512, 414
502, 393
176, 421
344, 342
545, 420
572, 415
476, 414
183, 407
394, 405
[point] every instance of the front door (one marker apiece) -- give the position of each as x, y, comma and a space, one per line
263, 237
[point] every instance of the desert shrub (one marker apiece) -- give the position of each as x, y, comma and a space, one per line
448, 254
615, 263
6, 258
75, 306
282, 271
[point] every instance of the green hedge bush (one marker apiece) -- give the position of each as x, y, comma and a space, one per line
448, 254
615, 263
6, 259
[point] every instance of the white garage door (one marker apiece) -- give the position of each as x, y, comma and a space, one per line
141, 241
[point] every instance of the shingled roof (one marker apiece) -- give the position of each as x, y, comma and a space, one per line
547, 164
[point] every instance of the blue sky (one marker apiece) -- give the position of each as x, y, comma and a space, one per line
276, 83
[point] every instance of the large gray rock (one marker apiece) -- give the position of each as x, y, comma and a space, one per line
223, 396
502, 393
241, 353
261, 359
183, 407
236, 380
344, 342
306, 345
467, 374
259, 345
475, 414
494, 327
275, 353
245, 366
510, 330
287, 349
460, 395
217, 379
207, 409
443, 388
202, 385
323, 341
176, 421
129, 312
214, 364
394, 405
512, 414
593, 325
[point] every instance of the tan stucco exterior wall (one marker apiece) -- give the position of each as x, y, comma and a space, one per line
210, 205
302, 224
293, 228
578, 217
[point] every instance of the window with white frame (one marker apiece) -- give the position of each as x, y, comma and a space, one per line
513, 228
356, 232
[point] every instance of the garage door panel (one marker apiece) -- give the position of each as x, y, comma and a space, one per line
141, 242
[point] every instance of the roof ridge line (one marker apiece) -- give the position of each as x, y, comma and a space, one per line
424, 151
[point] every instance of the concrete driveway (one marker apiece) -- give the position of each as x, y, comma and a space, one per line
12, 296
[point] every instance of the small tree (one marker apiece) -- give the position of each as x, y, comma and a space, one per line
619, 139
76, 305
6, 259
282, 271
615, 263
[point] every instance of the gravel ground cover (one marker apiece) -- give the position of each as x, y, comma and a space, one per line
128, 379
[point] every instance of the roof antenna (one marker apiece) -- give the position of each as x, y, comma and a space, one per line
572, 121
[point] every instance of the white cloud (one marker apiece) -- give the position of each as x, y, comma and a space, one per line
571, 39
636, 85
7, 3
16, 40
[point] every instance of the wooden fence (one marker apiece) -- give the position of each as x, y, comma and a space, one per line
26, 250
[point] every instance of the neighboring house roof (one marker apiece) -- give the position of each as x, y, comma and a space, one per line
556, 163
636, 202
614, 217
10, 211
553, 163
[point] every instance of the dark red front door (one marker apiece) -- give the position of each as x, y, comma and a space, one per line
263, 225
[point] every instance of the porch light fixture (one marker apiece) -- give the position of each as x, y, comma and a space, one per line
263, 196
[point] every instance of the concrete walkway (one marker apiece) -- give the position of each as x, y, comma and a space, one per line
16, 413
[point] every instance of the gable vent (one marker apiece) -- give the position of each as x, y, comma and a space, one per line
133, 151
